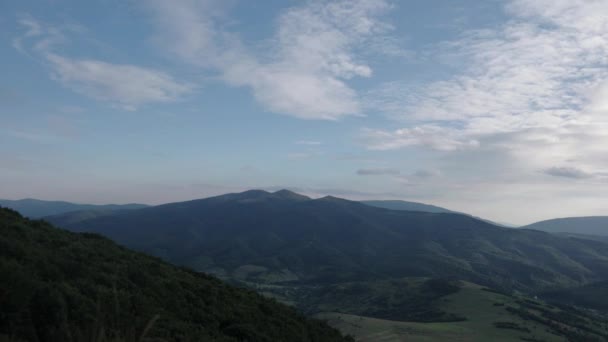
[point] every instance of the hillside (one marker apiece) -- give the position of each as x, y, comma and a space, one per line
591, 225
63, 286
263, 237
594, 296
486, 315
427, 208
35, 208
406, 205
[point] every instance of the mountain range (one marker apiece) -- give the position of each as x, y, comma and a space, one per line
264, 237
35, 208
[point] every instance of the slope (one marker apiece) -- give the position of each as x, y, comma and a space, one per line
487, 316
591, 225
415, 206
406, 205
62, 286
594, 296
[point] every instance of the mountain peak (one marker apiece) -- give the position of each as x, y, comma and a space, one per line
334, 199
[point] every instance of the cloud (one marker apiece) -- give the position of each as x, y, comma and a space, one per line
534, 88
425, 174
125, 85
378, 172
567, 172
189, 29
305, 69
309, 142
128, 86
433, 136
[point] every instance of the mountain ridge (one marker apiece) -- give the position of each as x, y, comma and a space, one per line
584, 225
331, 239
36, 208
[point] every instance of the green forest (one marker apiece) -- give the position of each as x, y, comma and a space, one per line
63, 286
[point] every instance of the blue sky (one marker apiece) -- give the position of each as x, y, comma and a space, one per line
496, 108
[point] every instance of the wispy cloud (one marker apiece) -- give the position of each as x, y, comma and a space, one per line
309, 142
433, 136
535, 87
304, 72
124, 85
128, 86
378, 172
303, 155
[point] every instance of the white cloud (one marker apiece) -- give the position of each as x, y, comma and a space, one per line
306, 67
188, 29
535, 88
129, 86
436, 137
125, 85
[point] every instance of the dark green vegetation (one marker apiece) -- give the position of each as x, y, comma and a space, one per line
267, 238
592, 225
62, 286
594, 296
406, 299
490, 316
34, 208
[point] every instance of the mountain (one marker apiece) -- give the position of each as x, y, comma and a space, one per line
591, 225
415, 206
63, 286
38, 208
259, 237
409, 206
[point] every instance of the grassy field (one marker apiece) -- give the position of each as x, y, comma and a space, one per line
490, 317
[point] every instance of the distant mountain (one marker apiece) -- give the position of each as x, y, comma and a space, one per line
260, 237
38, 208
405, 205
591, 225
62, 286
428, 208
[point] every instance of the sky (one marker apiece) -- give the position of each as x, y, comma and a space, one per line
494, 108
